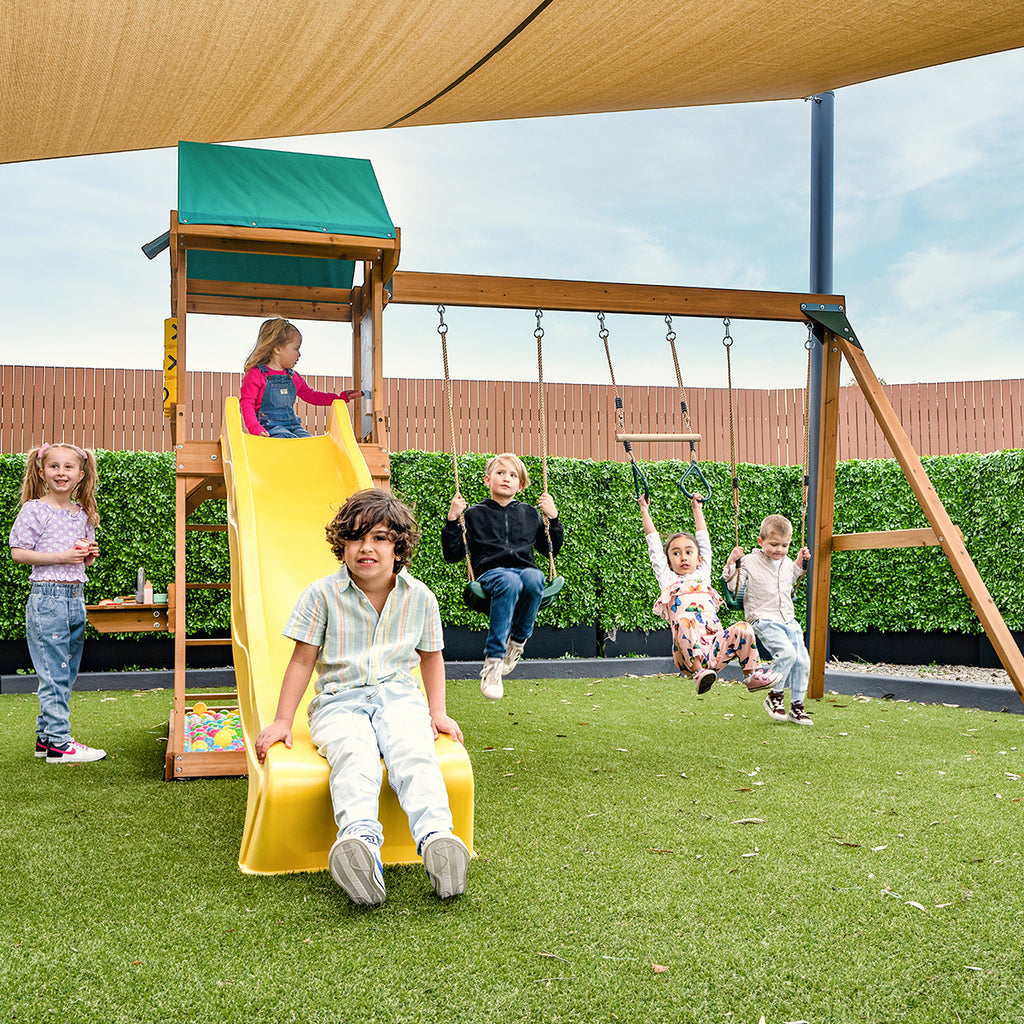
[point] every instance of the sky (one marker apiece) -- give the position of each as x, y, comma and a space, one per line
929, 238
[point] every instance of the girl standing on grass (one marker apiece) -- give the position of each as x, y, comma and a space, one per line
270, 385
55, 533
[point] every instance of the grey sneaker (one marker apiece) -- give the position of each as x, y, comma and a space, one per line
775, 705
446, 861
705, 679
355, 865
798, 714
490, 679
513, 652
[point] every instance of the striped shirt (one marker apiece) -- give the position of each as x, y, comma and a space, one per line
358, 647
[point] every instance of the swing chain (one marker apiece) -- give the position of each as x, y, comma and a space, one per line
805, 480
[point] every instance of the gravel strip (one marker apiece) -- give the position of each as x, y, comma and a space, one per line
957, 673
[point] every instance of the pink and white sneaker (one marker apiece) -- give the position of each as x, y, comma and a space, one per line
761, 678
73, 752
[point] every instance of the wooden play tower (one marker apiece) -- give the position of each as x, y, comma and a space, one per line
261, 233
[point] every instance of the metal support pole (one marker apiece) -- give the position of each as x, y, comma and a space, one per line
822, 190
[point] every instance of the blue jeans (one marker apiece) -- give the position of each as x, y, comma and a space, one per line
515, 600
55, 629
354, 729
784, 643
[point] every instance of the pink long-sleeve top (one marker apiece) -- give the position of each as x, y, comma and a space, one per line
250, 396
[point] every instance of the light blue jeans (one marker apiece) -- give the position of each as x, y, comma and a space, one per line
515, 600
783, 642
55, 629
354, 729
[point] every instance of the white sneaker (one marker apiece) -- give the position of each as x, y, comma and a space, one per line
513, 652
355, 865
490, 679
446, 861
72, 752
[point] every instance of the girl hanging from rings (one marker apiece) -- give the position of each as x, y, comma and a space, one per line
688, 602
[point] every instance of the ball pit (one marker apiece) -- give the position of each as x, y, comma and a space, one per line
213, 729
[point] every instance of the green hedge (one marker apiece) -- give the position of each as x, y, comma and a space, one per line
604, 561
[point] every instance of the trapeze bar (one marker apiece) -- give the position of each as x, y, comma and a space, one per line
657, 437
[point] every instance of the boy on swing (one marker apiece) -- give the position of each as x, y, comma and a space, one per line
501, 535
766, 580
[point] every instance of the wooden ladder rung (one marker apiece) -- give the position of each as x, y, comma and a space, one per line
657, 437
208, 527
208, 641
207, 586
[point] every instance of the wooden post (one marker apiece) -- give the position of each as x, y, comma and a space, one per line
948, 535
821, 549
179, 432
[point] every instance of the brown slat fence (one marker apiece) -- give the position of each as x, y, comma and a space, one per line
122, 410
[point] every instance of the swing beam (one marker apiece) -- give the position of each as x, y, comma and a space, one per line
838, 341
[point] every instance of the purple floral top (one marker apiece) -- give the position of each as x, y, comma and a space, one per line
41, 527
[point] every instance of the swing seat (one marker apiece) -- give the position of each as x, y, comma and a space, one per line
734, 602
474, 596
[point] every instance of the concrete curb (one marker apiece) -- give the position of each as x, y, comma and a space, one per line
924, 691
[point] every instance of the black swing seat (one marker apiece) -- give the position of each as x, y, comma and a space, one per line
474, 596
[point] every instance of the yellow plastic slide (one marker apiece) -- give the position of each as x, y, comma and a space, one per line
281, 495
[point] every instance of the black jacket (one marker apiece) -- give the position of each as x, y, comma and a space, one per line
500, 536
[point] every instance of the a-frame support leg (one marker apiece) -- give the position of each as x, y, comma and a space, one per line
840, 341
947, 534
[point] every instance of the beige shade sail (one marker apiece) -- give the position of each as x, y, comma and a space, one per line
99, 76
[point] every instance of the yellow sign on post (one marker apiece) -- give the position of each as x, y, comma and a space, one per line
170, 364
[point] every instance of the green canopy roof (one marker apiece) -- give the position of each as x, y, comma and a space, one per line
266, 188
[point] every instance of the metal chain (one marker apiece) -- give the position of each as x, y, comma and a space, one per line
442, 329
806, 482
727, 342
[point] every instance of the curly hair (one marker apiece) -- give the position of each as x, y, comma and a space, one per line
368, 509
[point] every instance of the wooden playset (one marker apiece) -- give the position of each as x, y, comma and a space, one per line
240, 247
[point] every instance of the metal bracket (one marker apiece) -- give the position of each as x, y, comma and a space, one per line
832, 318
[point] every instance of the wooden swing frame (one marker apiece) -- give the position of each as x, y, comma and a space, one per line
838, 342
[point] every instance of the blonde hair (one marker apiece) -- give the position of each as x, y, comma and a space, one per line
515, 462
271, 335
775, 526
33, 485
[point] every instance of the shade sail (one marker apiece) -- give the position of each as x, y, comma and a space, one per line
95, 76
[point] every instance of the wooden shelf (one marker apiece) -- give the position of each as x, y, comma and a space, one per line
129, 617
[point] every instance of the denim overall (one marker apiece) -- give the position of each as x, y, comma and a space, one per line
277, 408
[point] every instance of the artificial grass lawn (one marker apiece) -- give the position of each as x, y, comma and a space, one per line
644, 855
